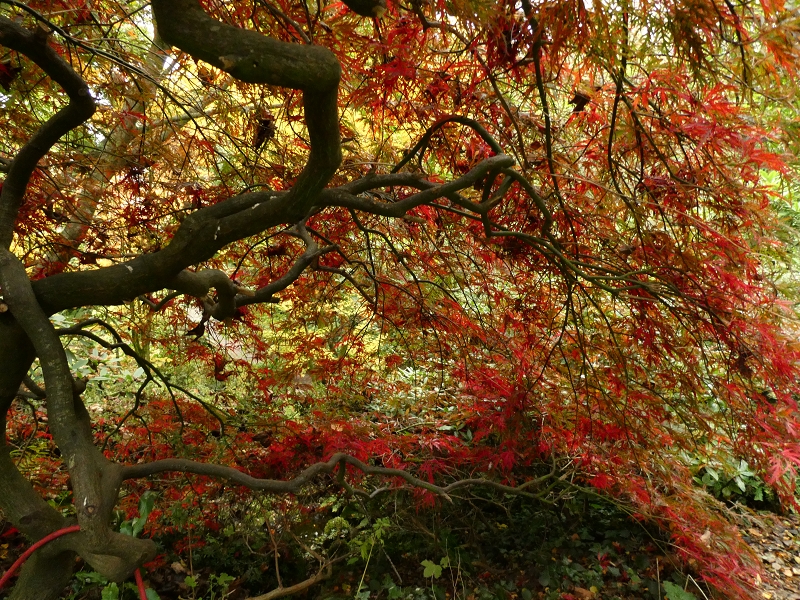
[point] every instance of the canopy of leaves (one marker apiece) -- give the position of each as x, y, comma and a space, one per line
527, 245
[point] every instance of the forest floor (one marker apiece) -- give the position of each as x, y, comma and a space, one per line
776, 541
602, 558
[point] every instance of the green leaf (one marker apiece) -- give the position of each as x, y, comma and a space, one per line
146, 504
431, 569
190, 581
137, 525
223, 580
676, 592
366, 549
151, 594
110, 592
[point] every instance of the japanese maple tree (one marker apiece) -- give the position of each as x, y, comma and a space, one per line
559, 217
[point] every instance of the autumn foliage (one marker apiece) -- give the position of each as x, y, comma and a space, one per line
534, 246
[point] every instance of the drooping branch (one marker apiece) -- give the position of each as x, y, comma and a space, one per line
422, 144
312, 253
80, 108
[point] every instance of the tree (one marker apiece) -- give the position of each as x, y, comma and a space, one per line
562, 213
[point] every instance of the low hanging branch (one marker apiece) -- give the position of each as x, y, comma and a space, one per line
337, 461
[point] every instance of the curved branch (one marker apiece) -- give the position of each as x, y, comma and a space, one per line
345, 198
94, 479
312, 253
34, 388
292, 486
207, 230
199, 283
157, 306
254, 58
422, 144
80, 108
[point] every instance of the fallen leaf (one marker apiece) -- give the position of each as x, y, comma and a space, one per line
178, 567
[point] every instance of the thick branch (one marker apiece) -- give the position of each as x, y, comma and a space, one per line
16, 355
199, 283
250, 57
45, 574
207, 230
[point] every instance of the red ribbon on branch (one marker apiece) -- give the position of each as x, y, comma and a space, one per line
49, 538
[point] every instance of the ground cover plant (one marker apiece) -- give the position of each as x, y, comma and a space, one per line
269, 259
